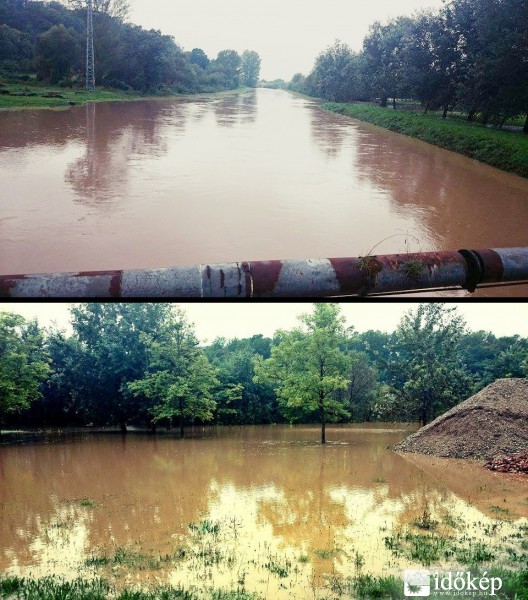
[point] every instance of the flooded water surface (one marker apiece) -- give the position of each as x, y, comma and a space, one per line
267, 509
259, 176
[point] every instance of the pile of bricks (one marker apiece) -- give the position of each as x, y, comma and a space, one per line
511, 463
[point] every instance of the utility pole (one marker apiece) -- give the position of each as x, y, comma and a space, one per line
90, 61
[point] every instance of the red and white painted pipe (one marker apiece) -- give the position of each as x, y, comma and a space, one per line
310, 278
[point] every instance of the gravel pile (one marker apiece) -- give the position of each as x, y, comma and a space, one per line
492, 423
512, 463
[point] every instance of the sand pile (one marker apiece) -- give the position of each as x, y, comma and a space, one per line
491, 423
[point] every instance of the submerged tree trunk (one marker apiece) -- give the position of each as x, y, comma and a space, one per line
323, 417
394, 103
427, 107
181, 418
444, 114
122, 424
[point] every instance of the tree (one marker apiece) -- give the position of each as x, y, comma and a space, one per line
120, 9
383, 59
57, 53
336, 74
199, 57
179, 380
240, 398
227, 65
114, 352
23, 363
308, 366
249, 68
427, 371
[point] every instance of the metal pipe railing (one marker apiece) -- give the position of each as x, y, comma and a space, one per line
327, 277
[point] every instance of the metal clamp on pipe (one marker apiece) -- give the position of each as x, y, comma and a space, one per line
310, 278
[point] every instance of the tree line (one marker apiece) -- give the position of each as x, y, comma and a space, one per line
49, 39
142, 365
470, 56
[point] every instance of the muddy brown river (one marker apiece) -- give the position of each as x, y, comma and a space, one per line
267, 509
258, 176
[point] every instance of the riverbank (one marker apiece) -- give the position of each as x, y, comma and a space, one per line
505, 150
20, 96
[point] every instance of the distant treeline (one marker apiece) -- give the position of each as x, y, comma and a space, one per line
470, 56
49, 39
141, 364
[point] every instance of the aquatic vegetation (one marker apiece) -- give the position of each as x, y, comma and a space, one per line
425, 521
87, 502
370, 588
278, 566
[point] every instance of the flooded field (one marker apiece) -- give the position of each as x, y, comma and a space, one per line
265, 509
260, 176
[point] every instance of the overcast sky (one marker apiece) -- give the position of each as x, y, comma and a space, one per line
244, 320
287, 34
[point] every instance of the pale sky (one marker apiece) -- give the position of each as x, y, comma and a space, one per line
244, 320
287, 34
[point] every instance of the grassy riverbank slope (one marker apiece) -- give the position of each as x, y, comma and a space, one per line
34, 95
505, 150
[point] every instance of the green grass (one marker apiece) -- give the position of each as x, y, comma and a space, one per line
361, 587
53, 588
35, 92
502, 149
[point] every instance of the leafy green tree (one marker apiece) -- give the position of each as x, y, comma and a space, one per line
363, 387
336, 74
383, 59
308, 366
249, 68
199, 57
227, 66
179, 379
57, 53
426, 364
59, 402
16, 50
114, 352
240, 398
24, 364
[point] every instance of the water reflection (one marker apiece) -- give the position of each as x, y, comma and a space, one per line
101, 174
259, 498
261, 175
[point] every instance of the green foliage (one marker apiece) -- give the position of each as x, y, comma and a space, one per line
501, 149
113, 351
426, 366
239, 398
469, 55
24, 363
49, 37
57, 53
368, 587
249, 68
308, 366
179, 379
